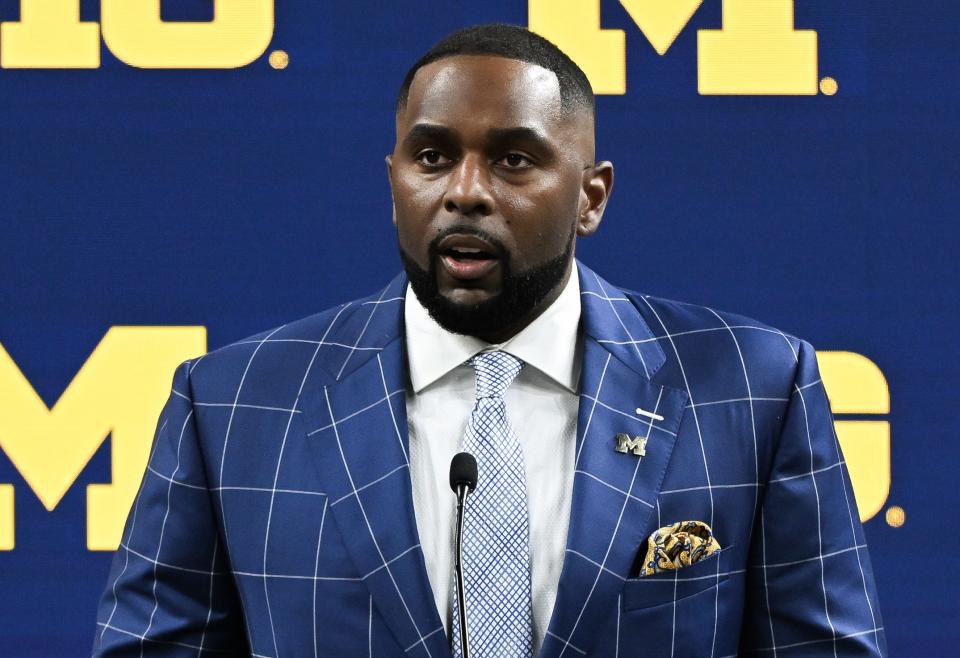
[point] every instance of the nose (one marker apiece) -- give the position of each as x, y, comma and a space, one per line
468, 189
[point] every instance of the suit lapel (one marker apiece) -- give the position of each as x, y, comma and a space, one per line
614, 494
357, 432
358, 437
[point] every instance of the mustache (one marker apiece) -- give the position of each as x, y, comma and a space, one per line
500, 249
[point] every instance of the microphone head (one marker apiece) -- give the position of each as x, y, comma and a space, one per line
463, 471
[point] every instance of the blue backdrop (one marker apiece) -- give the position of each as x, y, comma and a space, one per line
240, 199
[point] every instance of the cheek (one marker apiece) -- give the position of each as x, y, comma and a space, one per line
540, 219
415, 202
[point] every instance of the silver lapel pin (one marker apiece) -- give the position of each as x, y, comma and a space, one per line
636, 445
648, 414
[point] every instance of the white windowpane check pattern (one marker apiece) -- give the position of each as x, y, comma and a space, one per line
276, 518
496, 553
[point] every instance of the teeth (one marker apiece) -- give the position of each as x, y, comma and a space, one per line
467, 250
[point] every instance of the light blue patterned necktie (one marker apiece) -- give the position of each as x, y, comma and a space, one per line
496, 563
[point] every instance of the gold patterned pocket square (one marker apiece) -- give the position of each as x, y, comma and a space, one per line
677, 546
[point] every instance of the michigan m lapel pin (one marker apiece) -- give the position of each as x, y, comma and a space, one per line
636, 445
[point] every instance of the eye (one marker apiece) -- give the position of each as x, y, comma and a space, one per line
432, 158
515, 161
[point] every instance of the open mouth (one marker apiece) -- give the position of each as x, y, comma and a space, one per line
468, 253
467, 257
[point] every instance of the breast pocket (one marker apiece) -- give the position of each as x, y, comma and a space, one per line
674, 585
693, 611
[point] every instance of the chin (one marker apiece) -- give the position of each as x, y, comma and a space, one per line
468, 297
477, 311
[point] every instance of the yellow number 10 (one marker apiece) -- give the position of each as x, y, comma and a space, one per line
757, 51
50, 34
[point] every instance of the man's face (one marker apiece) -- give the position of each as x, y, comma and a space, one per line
491, 182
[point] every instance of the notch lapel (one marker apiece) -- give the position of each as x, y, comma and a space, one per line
357, 433
614, 494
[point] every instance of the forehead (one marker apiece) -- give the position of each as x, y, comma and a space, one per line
482, 91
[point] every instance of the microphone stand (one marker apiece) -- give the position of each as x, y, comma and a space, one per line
462, 491
463, 480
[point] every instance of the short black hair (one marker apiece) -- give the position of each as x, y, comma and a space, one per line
511, 42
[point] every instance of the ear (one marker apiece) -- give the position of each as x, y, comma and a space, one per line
595, 189
393, 203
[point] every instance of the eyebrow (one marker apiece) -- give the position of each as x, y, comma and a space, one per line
496, 136
428, 132
519, 134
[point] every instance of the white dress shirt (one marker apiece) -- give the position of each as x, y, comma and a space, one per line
542, 406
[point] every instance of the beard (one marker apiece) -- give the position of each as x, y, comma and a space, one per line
521, 292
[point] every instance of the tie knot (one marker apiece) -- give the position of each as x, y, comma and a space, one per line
495, 372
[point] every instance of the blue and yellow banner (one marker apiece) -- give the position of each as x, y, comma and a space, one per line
179, 174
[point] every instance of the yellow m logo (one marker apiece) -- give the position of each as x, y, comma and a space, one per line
119, 391
757, 50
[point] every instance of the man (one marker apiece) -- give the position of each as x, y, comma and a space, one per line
655, 478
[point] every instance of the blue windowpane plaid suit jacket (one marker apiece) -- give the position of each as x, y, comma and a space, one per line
275, 517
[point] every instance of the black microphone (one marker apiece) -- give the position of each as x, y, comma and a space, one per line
463, 472
463, 480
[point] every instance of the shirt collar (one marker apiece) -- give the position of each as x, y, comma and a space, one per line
550, 343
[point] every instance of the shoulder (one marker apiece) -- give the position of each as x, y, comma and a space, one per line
323, 346
708, 348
